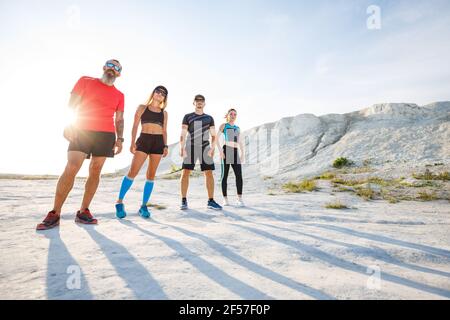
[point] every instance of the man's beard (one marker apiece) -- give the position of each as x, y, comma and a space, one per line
109, 76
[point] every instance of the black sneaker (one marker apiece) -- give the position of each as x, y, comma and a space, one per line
184, 205
85, 217
214, 205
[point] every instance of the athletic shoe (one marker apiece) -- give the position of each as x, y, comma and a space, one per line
120, 211
214, 205
184, 205
240, 203
144, 213
225, 202
50, 221
85, 217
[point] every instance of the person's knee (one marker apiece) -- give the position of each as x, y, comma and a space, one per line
95, 169
208, 174
72, 169
150, 176
185, 174
132, 174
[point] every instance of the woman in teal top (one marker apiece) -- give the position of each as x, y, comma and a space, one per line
229, 153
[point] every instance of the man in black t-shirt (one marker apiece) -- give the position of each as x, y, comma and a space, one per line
199, 126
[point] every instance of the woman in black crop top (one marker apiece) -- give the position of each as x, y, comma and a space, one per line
151, 144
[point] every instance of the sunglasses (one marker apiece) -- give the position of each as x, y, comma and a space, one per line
112, 65
161, 92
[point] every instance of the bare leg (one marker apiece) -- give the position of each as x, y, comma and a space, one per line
75, 160
153, 164
136, 165
95, 168
209, 178
185, 182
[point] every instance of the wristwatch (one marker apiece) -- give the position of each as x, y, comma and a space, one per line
121, 139
166, 146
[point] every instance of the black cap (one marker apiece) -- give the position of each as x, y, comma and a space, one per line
162, 88
199, 97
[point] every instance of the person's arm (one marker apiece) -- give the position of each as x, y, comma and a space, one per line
119, 124
241, 146
220, 139
166, 148
184, 131
137, 118
74, 100
70, 133
77, 93
212, 131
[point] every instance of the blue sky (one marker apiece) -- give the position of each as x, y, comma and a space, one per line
268, 59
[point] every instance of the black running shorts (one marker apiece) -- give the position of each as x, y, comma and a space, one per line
199, 153
150, 143
94, 143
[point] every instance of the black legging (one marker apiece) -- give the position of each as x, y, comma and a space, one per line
231, 159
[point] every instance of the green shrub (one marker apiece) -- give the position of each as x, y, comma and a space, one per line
425, 196
326, 176
342, 162
365, 193
305, 185
428, 175
336, 205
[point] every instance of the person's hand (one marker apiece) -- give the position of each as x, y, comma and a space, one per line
211, 153
70, 133
242, 157
133, 148
183, 153
166, 152
118, 147
222, 155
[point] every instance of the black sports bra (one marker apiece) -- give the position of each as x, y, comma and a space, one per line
152, 117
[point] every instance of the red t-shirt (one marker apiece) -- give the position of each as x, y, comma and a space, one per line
98, 104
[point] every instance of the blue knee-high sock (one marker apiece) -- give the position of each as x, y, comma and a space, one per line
126, 184
148, 188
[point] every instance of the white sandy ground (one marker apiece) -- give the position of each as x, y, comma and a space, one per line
279, 247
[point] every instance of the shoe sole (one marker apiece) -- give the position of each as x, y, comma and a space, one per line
77, 220
214, 208
144, 217
120, 217
47, 228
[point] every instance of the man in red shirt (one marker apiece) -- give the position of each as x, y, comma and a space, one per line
99, 106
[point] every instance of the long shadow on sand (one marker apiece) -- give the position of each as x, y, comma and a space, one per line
214, 273
135, 275
379, 254
58, 272
254, 267
384, 239
373, 237
331, 259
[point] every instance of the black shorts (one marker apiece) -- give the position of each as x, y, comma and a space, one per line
150, 143
94, 143
200, 153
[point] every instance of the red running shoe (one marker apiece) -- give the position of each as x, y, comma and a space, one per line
50, 221
85, 217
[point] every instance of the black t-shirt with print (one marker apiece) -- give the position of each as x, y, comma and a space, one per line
198, 128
